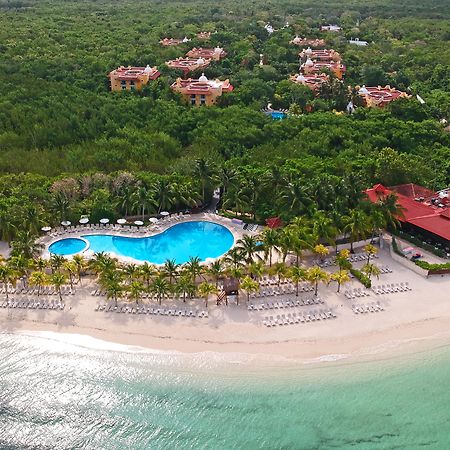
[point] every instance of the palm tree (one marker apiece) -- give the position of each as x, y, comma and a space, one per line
40, 264
205, 173
342, 259
160, 287
249, 286
171, 269
56, 262
391, 210
113, 290
58, 279
7, 275
256, 270
193, 267
216, 270
60, 204
101, 262
249, 246
370, 251
370, 270
25, 244
315, 275
163, 191
357, 225
225, 177
341, 277
206, 289
321, 251
324, 229
296, 274
147, 271
185, 286
130, 271
38, 279
135, 290
80, 264
142, 199
71, 268
269, 238
234, 257
279, 269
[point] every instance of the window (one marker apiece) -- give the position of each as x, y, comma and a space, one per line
202, 99
193, 101
132, 85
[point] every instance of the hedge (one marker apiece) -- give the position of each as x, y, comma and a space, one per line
364, 279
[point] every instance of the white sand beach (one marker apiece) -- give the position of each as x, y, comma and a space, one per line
411, 321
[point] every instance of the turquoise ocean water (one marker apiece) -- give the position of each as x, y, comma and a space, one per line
57, 395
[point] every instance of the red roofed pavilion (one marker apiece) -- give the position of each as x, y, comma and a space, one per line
424, 211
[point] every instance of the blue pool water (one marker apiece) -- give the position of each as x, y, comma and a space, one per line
68, 246
181, 241
277, 115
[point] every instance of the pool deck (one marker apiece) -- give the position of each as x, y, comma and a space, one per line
134, 231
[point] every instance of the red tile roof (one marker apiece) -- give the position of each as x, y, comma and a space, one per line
423, 214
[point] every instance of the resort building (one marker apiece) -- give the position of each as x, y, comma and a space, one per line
319, 55
358, 42
132, 78
188, 64
310, 67
312, 81
380, 96
304, 42
215, 54
332, 28
171, 42
202, 91
204, 35
425, 214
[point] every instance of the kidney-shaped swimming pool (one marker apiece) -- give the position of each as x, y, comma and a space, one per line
179, 242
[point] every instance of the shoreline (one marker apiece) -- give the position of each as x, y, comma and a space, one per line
411, 321
407, 340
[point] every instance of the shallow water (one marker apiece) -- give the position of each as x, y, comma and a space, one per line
58, 395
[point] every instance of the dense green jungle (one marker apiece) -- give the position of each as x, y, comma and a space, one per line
69, 146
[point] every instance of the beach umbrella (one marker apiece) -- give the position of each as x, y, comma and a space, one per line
46, 229
121, 221
164, 213
84, 220
104, 220
66, 223
153, 220
138, 223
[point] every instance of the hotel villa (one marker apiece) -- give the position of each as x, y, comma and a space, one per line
312, 81
303, 42
313, 62
171, 42
132, 78
332, 28
202, 91
380, 96
187, 65
205, 35
215, 54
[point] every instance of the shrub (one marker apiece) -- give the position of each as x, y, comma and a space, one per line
364, 279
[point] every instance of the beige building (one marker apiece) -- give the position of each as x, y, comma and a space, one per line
132, 78
215, 54
202, 91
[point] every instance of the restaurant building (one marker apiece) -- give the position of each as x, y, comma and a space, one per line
131, 78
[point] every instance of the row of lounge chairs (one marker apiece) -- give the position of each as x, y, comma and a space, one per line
391, 288
142, 309
145, 296
353, 258
280, 290
358, 292
285, 304
362, 309
32, 304
294, 318
385, 269
44, 290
